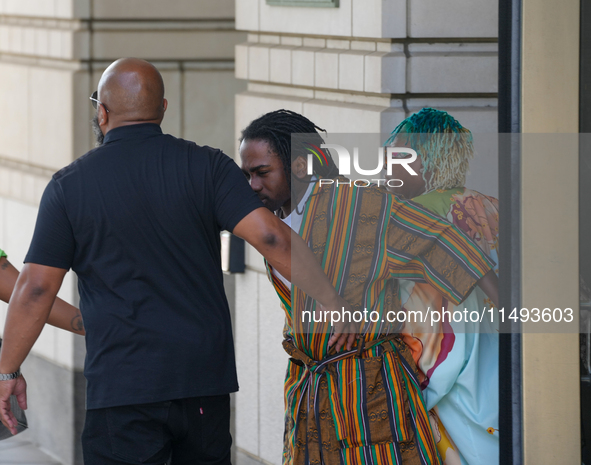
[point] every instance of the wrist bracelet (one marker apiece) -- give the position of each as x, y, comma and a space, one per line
10, 376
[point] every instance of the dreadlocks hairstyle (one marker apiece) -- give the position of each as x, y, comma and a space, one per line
277, 128
444, 145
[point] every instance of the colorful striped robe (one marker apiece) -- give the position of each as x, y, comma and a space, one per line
365, 406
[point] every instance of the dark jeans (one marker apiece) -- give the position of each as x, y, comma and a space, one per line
194, 431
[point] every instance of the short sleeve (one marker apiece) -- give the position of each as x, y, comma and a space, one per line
424, 247
234, 199
53, 241
2, 253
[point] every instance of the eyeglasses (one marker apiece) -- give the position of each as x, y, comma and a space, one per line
96, 102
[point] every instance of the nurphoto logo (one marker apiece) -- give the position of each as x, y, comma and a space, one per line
393, 156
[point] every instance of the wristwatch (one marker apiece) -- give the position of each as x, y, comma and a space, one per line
10, 376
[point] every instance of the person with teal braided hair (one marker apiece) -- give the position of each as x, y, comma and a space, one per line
458, 362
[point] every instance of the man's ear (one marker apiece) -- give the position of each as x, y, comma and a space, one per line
164, 105
103, 116
299, 167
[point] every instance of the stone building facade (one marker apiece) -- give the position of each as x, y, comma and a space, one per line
359, 67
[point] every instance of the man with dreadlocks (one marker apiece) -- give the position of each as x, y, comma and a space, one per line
361, 405
457, 361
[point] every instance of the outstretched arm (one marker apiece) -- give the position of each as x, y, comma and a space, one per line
63, 315
290, 256
28, 310
67, 317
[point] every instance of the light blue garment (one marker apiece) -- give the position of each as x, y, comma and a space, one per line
462, 366
465, 386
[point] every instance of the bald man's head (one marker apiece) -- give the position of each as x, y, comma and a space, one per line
133, 91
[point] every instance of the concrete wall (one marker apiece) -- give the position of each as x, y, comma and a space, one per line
550, 79
52, 53
362, 67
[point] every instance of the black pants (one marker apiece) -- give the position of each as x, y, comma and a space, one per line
194, 431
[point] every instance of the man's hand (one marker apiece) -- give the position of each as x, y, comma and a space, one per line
344, 332
18, 388
28, 310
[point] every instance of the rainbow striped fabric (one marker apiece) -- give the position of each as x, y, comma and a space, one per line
364, 406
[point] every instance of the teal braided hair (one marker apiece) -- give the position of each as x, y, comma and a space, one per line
443, 144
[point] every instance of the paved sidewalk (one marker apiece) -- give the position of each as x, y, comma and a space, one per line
19, 450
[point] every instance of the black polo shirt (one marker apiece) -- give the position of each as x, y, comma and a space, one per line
139, 219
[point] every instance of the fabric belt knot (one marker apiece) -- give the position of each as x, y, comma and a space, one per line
315, 370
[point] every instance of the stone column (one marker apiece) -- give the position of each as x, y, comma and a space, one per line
360, 67
52, 53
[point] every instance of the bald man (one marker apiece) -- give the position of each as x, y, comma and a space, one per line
138, 219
